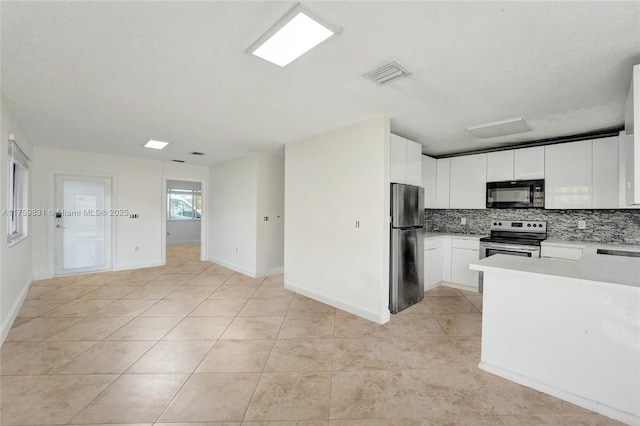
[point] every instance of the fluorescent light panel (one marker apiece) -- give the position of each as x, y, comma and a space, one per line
296, 33
155, 144
510, 126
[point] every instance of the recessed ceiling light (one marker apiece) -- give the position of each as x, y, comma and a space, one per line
178, 161
510, 126
297, 32
155, 144
197, 153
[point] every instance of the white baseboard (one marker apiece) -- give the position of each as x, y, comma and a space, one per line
180, 243
378, 317
41, 275
605, 410
140, 265
269, 272
238, 268
459, 286
13, 312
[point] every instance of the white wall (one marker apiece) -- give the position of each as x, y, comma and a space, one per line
233, 204
270, 237
15, 261
333, 180
242, 193
138, 187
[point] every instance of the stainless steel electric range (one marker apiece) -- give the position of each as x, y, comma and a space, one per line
513, 238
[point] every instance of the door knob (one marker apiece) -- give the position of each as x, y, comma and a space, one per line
60, 226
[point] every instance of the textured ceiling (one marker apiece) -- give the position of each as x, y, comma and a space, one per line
107, 76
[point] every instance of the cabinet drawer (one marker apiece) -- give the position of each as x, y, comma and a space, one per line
566, 253
432, 243
465, 244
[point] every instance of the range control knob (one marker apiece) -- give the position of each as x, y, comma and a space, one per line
495, 223
499, 223
529, 225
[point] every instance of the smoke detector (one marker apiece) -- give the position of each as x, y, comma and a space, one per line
387, 73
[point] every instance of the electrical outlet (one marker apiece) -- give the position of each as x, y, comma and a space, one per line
582, 224
463, 221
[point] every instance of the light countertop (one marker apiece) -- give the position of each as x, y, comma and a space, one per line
590, 267
432, 235
589, 247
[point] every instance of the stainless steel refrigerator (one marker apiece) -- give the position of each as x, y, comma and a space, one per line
406, 281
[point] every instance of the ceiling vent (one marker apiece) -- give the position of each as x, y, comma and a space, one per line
197, 153
387, 73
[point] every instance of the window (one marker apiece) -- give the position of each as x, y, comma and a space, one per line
17, 193
184, 204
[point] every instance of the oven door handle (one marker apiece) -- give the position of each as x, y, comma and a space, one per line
510, 247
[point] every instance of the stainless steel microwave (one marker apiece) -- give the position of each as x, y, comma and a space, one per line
516, 194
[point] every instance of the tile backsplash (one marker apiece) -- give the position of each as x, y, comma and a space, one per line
610, 226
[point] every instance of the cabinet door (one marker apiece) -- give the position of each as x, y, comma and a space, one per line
605, 173
432, 267
529, 163
398, 172
468, 182
460, 272
443, 167
414, 163
429, 179
500, 166
568, 175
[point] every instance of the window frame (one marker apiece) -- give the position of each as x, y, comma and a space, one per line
184, 193
17, 194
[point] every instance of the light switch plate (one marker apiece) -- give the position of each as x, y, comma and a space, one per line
463, 221
582, 224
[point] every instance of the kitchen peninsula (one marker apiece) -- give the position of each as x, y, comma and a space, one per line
568, 328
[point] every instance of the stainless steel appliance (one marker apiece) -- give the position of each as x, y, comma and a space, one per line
513, 238
406, 281
520, 194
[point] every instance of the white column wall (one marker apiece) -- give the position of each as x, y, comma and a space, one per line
15, 261
332, 181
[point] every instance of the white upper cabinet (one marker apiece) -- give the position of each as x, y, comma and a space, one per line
468, 182
429, 179
398, 171
500, 166
631, 143
414, 163
568, 175
605, 173
406, 161
443, 170
529, 163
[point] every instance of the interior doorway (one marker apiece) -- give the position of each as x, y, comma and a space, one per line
184, 214
82, 224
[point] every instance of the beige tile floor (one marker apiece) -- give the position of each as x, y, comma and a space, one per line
194, 342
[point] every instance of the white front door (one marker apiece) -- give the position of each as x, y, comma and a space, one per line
82, 224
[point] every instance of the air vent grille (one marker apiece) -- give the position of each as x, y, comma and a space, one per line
387, 73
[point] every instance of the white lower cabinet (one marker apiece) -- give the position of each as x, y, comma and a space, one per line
460, 272
448, 259
432, 263
560, 252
